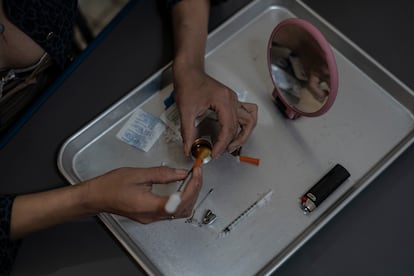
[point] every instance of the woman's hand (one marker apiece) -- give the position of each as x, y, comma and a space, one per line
124, 191
195, 93
128, 192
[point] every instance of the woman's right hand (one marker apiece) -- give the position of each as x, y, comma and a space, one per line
128, 192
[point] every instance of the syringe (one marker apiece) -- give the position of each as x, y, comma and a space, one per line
258, 203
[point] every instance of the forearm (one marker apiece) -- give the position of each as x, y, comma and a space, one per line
124, 191
37, 211
190, 25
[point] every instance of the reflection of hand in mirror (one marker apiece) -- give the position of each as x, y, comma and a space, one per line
302, 62
318, 80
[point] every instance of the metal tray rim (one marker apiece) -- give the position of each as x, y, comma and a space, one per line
278, 260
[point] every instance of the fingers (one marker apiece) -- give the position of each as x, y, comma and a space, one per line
236, 126
127, 192
190, 195
228, 129
315, 89
247, 119
188, 130
200, 93
159, 175
227, 117
188, 199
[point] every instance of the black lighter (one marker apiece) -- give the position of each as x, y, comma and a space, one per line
321, 190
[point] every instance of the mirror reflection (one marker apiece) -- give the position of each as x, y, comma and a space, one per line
299, 68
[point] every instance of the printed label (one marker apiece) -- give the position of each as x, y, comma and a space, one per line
141, 130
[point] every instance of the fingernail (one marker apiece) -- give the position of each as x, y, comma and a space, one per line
235, 150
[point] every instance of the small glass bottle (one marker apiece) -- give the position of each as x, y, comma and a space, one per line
201, 149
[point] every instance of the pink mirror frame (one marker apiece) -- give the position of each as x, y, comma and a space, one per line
290, 111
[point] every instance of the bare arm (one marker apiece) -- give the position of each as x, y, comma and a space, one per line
33, 212
190, 23
125, 192
195, 91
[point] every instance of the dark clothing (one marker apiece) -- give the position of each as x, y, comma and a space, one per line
8, 248
48, 22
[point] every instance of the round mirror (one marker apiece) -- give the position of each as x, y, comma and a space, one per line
303, 69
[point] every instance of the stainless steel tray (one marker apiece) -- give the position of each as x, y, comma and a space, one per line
370, 124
